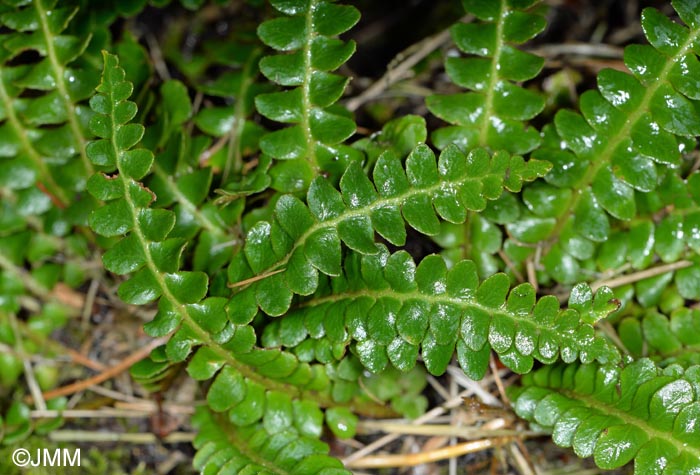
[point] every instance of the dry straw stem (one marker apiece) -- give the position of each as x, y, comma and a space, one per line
109, 373
421, 50
101, 436
641, 275
411, 460
494, 428
472, 388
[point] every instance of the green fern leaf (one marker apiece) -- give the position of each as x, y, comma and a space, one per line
278, 447
42, 121
639, 413
626, 136
492, 114
670, 340
306, 35
307, 240
672, 237
394, 309
199, 324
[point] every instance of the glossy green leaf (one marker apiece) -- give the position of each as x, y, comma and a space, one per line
587, 408
496, 107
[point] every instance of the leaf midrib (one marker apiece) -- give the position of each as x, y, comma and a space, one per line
62, 89
201, 218
234, 151
306, 90
489, 93
403, 297
201, 334
241, 445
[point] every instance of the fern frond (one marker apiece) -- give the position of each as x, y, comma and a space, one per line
277, 446
305, 239
493, 114
306, 36
616, 415
395, 310
628, 134
44, 134
148, 252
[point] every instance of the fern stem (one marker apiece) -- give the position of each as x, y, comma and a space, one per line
641, 275
201, 218
399, 67
201, 334
29, 149
623, 133
306, 90
234, 157
61, 87
414, 295
489, 94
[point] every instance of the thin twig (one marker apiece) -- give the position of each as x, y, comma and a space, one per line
136, 438
641, 275
455, 421
492, 429
424, 48
531, 275
157, 57
439, 388
411, 460
696, 164
151, 406
89, 413
609, 331
474, 387
79, 358
433, 413
499, 382
588, 50
88, 304
109, 373
116, 395
34, 388
168, 465
521, 461
509, 264
428, 416
254, 279
122, 410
